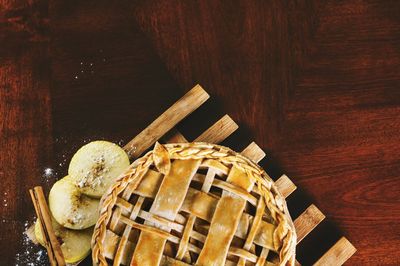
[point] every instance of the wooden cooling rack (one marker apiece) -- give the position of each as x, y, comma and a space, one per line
163, 129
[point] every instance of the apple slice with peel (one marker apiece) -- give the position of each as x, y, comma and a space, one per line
70, 208
75, 244
96, 165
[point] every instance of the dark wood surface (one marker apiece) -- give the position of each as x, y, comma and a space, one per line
314, 83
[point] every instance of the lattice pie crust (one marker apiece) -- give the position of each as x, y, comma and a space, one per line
194, 203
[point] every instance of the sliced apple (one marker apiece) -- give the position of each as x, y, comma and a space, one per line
75, 244
70, 208
96, 165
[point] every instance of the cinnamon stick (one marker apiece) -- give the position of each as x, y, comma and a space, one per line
54, 251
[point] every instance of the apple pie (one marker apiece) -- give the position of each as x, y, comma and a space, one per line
193, 204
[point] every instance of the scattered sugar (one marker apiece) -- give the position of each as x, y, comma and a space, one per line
48, 175
78, 217
95, 176
61, 140
31, 254
5, 200
82, 182
48, 172
132, 150
87, 140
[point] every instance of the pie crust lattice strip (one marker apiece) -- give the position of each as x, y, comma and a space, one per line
193, 203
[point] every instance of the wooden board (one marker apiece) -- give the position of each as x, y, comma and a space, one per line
178, 111
219, 131
337, 254
307, 221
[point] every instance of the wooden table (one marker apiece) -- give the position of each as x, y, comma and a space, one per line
315, 83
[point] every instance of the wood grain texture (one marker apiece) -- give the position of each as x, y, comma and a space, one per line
25, 119
315, 84
219, 131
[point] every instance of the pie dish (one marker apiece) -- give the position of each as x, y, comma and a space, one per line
193, 204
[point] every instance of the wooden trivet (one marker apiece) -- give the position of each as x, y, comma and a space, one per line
164, 128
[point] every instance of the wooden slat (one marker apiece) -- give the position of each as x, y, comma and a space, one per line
219, 131
166, 121
337, 254
307, 221
253, 152
285, 186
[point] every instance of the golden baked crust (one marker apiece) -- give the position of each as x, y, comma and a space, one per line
193, 203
